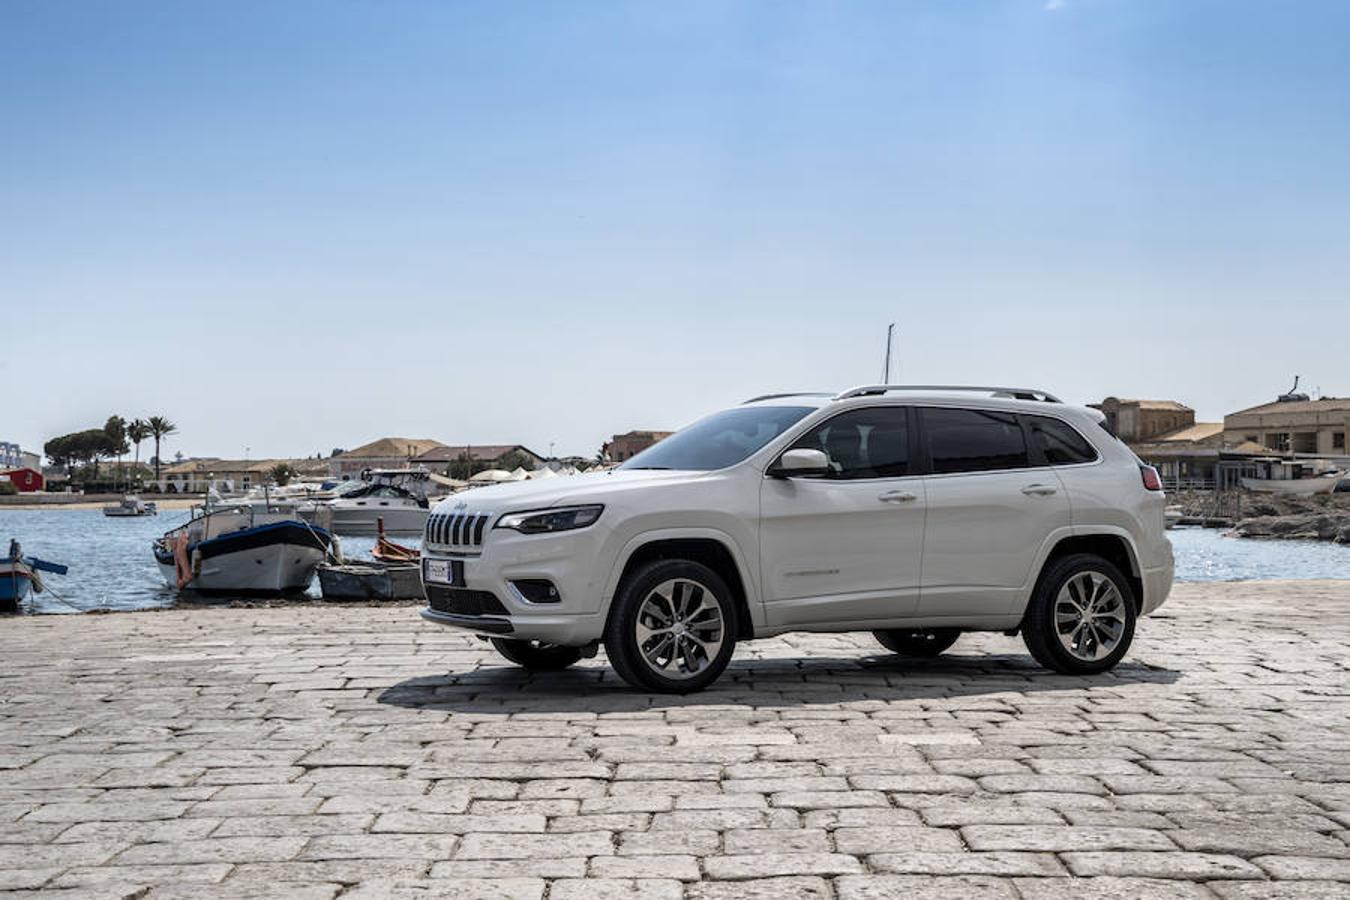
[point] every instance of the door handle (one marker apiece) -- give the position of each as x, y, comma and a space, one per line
1039, 490
898, 497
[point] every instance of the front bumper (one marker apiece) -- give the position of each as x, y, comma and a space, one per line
486, 602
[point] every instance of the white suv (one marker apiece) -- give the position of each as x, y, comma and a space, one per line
915, 513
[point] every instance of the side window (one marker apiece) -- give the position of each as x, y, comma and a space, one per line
863, 443
974, 440
1059, 441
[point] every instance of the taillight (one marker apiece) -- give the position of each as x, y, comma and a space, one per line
1152, 480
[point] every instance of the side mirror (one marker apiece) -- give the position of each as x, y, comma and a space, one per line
800, 462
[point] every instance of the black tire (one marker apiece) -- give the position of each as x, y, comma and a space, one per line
921, 642
1041, 631
536, 655
621, 640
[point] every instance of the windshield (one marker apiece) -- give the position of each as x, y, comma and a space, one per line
721, 440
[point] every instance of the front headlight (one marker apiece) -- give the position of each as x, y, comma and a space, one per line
543, 521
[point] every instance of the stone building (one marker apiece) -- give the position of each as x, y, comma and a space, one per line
1293, 424
196, 476
386, 453
1136, 421
492, 455
630, 444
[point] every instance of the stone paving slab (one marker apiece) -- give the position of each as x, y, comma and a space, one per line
308, 751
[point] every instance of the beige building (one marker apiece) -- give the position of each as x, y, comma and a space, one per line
385, 453
195, 476
1135, 421
439, 457
1295, 425
625, 446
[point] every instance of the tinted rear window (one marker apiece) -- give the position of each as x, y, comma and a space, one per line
1059, 441
974, 440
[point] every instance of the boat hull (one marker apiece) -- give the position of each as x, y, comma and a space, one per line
1322, 484
371, 582
276, 558
15, 582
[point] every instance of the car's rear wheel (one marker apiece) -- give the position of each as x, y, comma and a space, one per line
672, 628
1081, 618
925, 642
537, 656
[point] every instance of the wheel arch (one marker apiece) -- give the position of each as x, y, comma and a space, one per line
1113, 546
713, 549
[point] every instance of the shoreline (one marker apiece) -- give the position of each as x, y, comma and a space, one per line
97, 501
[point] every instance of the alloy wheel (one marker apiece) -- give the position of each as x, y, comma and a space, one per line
679, 628
1089, 616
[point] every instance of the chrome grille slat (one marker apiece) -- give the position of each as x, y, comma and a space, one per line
458, 529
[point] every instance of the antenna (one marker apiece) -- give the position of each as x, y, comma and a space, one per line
886, 370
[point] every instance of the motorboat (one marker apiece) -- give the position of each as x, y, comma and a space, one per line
19, 574
130, 506
243, 549
398, 496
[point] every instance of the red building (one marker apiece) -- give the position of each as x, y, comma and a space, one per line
25, 480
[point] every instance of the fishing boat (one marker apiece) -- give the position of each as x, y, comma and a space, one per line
370, 581
129, 507
1293, 477
398, 496
243, 549
19, 574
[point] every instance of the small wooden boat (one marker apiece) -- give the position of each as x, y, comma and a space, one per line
19, 574
370, 581
386, 551
242, 550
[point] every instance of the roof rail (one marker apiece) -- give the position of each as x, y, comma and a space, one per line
789, 394
871, 390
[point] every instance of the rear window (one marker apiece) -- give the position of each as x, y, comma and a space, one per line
974, 440
1059, 441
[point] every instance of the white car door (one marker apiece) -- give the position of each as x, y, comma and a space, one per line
847, 546
989, 512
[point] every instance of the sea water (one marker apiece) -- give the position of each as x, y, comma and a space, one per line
112, 568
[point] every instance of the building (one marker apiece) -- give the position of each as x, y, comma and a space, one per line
1293, 424
1136, 421
385, 453
629, 444
230, 475
12, 456
490, 456
1187, 459
25, 479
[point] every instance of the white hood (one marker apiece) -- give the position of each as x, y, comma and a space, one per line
542, 493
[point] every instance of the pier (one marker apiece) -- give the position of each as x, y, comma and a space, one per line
256, 752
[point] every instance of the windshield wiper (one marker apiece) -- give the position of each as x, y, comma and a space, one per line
664, 468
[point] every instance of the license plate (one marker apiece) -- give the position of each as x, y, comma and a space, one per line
445, 571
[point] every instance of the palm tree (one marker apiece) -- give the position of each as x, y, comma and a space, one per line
160, 428
137, 431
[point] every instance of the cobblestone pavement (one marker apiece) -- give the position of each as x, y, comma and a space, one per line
311, 752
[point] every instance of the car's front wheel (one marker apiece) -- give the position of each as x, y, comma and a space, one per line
672, 628
925, 642
537, 656
1081, 618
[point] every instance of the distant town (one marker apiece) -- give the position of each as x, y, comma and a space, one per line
1294, 428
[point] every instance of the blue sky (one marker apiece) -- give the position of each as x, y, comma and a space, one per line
297, 226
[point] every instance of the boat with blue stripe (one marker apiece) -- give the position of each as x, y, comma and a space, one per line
246, 549
19, 574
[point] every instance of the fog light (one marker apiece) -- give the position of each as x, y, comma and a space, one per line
537, 590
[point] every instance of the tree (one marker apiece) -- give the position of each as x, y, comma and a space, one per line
281, 473
115, 430
160, 428
137, 432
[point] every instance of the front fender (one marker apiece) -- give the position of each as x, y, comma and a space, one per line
643, 539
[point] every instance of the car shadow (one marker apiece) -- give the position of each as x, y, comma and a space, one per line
761, 683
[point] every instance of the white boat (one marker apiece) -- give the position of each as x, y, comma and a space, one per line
243, 550
1312, 484
396, 496
130, 506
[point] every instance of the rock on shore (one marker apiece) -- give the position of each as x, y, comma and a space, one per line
1322, 518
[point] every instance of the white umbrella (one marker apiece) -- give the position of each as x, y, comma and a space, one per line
487, 476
